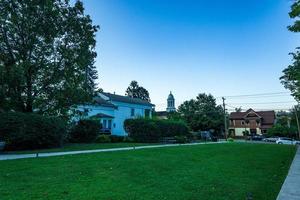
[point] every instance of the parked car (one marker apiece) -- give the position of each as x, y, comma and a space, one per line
285, 140
257, 137
270, 139
2, 145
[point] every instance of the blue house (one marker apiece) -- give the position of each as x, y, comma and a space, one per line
112, 110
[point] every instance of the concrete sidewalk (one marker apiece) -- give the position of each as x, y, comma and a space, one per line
290, 189
35, 155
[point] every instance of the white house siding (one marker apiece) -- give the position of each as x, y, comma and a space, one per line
124, 112
239, 131
120, 114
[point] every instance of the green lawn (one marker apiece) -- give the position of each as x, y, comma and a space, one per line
81, 146
215, 171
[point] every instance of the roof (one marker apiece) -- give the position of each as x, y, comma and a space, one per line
102, 115
161, 113
170, 97
268, 117
126, 99
98, 100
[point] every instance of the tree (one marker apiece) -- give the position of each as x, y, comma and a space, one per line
47, 51
202, 113
291, 75
136, 91
239, 109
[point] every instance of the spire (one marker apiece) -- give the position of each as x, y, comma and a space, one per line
171, 103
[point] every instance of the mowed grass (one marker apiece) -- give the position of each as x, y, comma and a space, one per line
213, 171
81, 146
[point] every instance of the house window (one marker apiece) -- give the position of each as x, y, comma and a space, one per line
104, 123
147, 112
132, 112
243, 122
109, 124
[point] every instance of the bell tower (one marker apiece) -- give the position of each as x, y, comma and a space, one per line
171, 103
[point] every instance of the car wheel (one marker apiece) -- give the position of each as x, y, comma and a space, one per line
279, 142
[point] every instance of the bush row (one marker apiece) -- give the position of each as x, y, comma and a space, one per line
23, 131
152, 130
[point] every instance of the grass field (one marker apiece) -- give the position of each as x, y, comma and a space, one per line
214, 171
81, 146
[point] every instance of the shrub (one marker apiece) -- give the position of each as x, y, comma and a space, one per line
116, 138
181, 139
24, 131
230, 140
128, 139
85, 131
103, 139
152, 130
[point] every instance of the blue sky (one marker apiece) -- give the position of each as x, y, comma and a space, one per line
224, 48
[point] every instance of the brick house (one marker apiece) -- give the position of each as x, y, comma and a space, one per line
253, 122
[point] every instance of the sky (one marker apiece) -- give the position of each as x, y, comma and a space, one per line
225, 48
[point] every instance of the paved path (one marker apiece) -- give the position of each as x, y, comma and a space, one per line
34, 155
290, 189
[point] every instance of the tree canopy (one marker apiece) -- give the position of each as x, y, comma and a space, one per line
136, 91
202, 113
47, 52
291, 74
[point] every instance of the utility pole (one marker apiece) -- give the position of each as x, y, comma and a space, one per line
297, 120
225, 122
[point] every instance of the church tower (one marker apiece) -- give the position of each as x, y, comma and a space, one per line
171, 103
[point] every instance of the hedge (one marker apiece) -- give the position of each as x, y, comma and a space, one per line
152, 130
22, 131
85, 131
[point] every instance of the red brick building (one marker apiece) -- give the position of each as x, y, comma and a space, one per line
255, 122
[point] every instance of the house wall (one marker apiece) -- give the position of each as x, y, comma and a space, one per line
239, 131
120, 114
124, 112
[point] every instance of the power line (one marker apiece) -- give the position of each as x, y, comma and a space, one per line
273, 102
258, 94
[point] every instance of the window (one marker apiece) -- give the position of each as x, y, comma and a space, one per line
243, 122
104, 123
147, 112
109, 124
132, 112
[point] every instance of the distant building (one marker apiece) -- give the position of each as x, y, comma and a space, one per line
170, 107
253, 122
112, 110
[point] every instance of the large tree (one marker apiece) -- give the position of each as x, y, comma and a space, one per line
136, 91
291, 75
47, 51
202, 113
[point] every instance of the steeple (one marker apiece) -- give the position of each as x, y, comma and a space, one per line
171, 103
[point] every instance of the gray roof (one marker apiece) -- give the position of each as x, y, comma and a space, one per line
101, 102
126, 99
102, 115
171, 97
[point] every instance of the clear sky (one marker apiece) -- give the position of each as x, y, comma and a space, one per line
225, 48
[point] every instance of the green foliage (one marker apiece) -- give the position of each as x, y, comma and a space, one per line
85, 131
116, 138
230, 140
181, 139
291, 74
136, 91
152, 130
128, 139
23, 131
283, 131
46, 56
103, 139
202, 113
